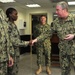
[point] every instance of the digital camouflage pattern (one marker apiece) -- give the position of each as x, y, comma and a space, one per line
67, 48
42, 46
16, 43
4, 44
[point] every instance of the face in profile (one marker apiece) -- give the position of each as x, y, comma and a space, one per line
13, 15
59, 11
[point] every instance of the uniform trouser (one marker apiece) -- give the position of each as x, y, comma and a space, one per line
47, 52
14, 69
3, 68
65, 63
66, 59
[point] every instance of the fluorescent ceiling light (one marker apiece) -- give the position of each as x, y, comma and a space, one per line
6, 1
55, 15
71, 3
33, 5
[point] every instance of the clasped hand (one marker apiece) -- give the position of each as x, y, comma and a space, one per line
31, 42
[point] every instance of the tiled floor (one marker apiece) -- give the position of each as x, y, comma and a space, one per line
28, 66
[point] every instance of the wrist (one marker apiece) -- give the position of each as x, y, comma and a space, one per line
35, 40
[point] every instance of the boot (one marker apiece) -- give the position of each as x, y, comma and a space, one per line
39, 70
48, 70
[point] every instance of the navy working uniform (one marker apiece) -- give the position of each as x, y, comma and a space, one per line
44, 46
67, 48
4, 44
16, 43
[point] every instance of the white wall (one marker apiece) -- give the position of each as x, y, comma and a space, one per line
25, 15
38, 11
21, 17
49, 12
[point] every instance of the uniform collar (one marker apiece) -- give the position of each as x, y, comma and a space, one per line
68, 19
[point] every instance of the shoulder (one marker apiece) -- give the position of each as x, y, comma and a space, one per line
71, 15
56, 20
47, 25
2, 15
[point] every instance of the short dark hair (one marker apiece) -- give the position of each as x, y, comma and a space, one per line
43, 15
9, 11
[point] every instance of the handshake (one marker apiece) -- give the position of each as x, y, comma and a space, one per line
31, 42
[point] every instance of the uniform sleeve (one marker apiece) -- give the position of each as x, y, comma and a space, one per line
11, 50
18, 42
73, 21
23, 43
15, 38
14, 42
46, 34
43, 35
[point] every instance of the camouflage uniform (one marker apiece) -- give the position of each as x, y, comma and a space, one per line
67, 48
4, 44
44, 46
16, 42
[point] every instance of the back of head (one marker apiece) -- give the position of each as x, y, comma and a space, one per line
63, 4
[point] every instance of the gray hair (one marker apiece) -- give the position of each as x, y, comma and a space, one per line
63, 4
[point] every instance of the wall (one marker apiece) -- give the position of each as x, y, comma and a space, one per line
38, 11
24, 14
49, 12
21, 17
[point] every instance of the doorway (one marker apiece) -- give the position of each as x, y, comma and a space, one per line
35, 21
